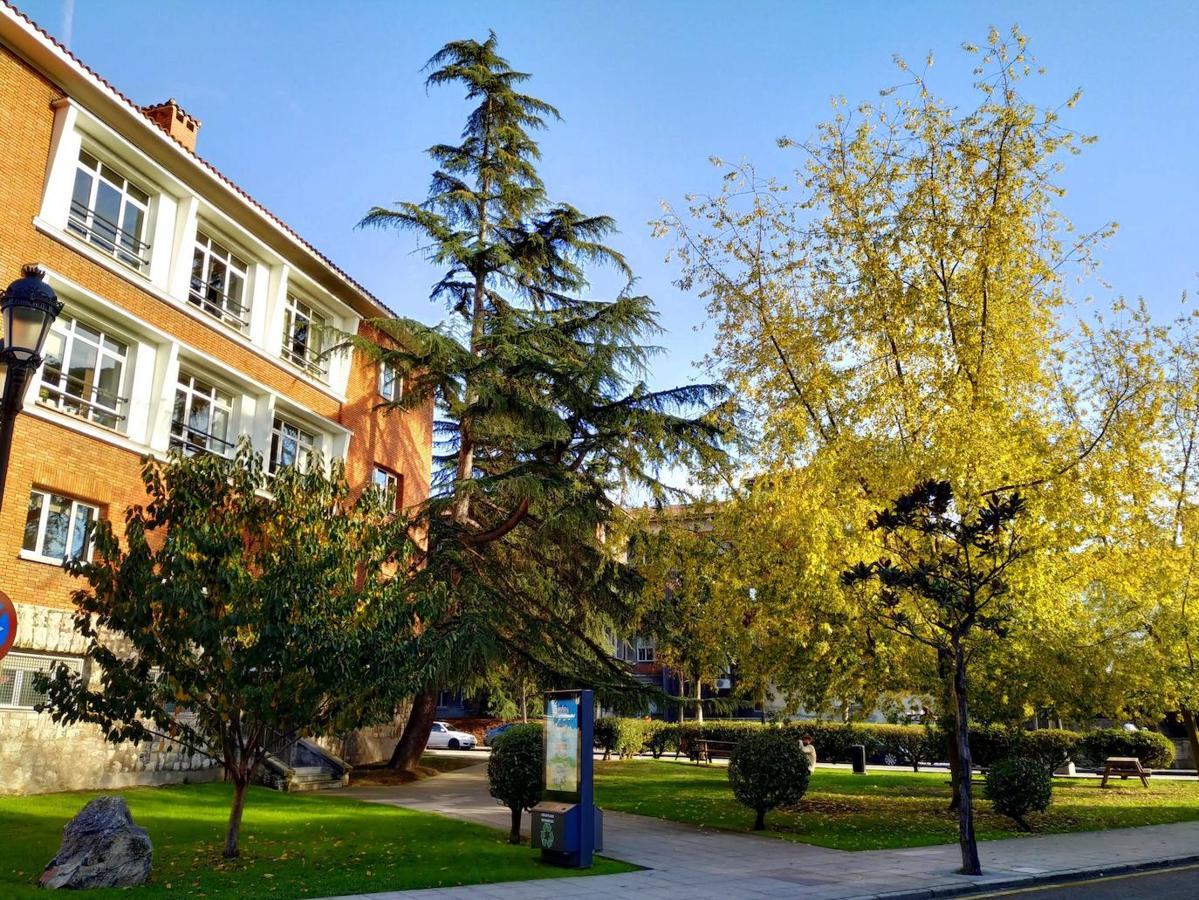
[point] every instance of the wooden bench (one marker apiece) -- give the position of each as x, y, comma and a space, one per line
1125, 766
704, 750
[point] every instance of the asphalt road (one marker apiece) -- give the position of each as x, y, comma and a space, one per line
1163, 884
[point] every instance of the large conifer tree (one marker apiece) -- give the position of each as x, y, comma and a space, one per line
542, 413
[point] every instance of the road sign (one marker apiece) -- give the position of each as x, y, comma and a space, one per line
8, 624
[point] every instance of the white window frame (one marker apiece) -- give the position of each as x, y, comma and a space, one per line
192, 387
646, 653
60, 394
36, 552
134, 251
299, 314
26, 672
308, 443
227, 309
391, 383
387, 481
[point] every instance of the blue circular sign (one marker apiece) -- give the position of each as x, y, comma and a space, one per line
8, 624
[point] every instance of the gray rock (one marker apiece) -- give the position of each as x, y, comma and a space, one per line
101, 847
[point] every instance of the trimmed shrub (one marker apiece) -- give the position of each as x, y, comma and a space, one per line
991, 743
1053, 747
514, 771
911, 744
603, 735
768, 769
1017, 786
661, 737
1154, 750
623, 736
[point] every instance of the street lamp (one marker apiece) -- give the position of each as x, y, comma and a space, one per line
28, 308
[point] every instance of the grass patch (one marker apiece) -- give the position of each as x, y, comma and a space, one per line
880, 810
293, 845
430, 764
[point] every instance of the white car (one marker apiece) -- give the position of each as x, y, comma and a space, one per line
443, 737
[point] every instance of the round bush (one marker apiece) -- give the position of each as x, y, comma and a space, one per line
1017, 786
514, 771
766, 770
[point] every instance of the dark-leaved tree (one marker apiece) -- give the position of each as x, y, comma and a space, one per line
942, 581
234, 621
543, 414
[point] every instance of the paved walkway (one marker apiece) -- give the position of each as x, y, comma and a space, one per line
683, 861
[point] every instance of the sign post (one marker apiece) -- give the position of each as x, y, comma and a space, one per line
565, 824
8, 624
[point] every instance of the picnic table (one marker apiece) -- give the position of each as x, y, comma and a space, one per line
1125, 766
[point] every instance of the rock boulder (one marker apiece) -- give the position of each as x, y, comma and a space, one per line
101, 847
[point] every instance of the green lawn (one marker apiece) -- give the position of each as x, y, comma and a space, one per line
880, 809
293, 845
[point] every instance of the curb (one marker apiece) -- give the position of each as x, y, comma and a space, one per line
1031, 881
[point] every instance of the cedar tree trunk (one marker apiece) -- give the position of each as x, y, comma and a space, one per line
966, 837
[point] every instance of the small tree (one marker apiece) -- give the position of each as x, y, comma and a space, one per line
235, 621
1017, 786
515, 770
768, 769
942, 584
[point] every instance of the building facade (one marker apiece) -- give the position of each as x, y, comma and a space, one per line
192, 318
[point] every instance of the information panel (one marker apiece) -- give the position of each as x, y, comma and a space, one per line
562, 773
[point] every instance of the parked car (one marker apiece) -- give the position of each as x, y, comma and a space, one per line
443, 737
494, 732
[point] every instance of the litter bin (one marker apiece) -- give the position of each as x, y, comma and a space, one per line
857, 756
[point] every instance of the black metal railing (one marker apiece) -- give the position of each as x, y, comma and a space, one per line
220, 305
104, 233
192, 440
105, 405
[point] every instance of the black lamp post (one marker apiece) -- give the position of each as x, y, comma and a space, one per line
29, 307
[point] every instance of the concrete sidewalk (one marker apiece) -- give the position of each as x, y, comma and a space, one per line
684, 861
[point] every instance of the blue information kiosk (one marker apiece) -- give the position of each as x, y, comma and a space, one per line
565, 824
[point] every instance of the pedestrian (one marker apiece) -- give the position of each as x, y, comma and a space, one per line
809, 750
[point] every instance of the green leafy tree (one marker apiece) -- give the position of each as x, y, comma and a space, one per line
542, 411
942, 581
515, 771
235, 621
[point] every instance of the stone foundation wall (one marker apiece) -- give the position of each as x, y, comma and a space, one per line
38, 756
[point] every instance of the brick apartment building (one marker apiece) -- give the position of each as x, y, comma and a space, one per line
187, 323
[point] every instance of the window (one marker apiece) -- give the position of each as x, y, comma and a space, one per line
290, 445
202, 417
301, 336
388, 483
645, 653
17, 671
58, 527
84, 371
218, 284
391, 383
110, 212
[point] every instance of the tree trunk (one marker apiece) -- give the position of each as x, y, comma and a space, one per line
760, 821
945, 671
234, 830
699, 701
415, 735
524, 703
966, 837
514, 833
1188, 719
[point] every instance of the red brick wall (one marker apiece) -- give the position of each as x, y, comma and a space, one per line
51, 456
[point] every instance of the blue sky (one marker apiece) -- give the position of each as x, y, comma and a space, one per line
318, 109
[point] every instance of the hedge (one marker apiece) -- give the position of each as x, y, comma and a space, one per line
1153, 749
914, 744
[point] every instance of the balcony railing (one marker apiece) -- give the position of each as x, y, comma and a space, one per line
105, 409
193, 441
109, 236
220, 306
308, 359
